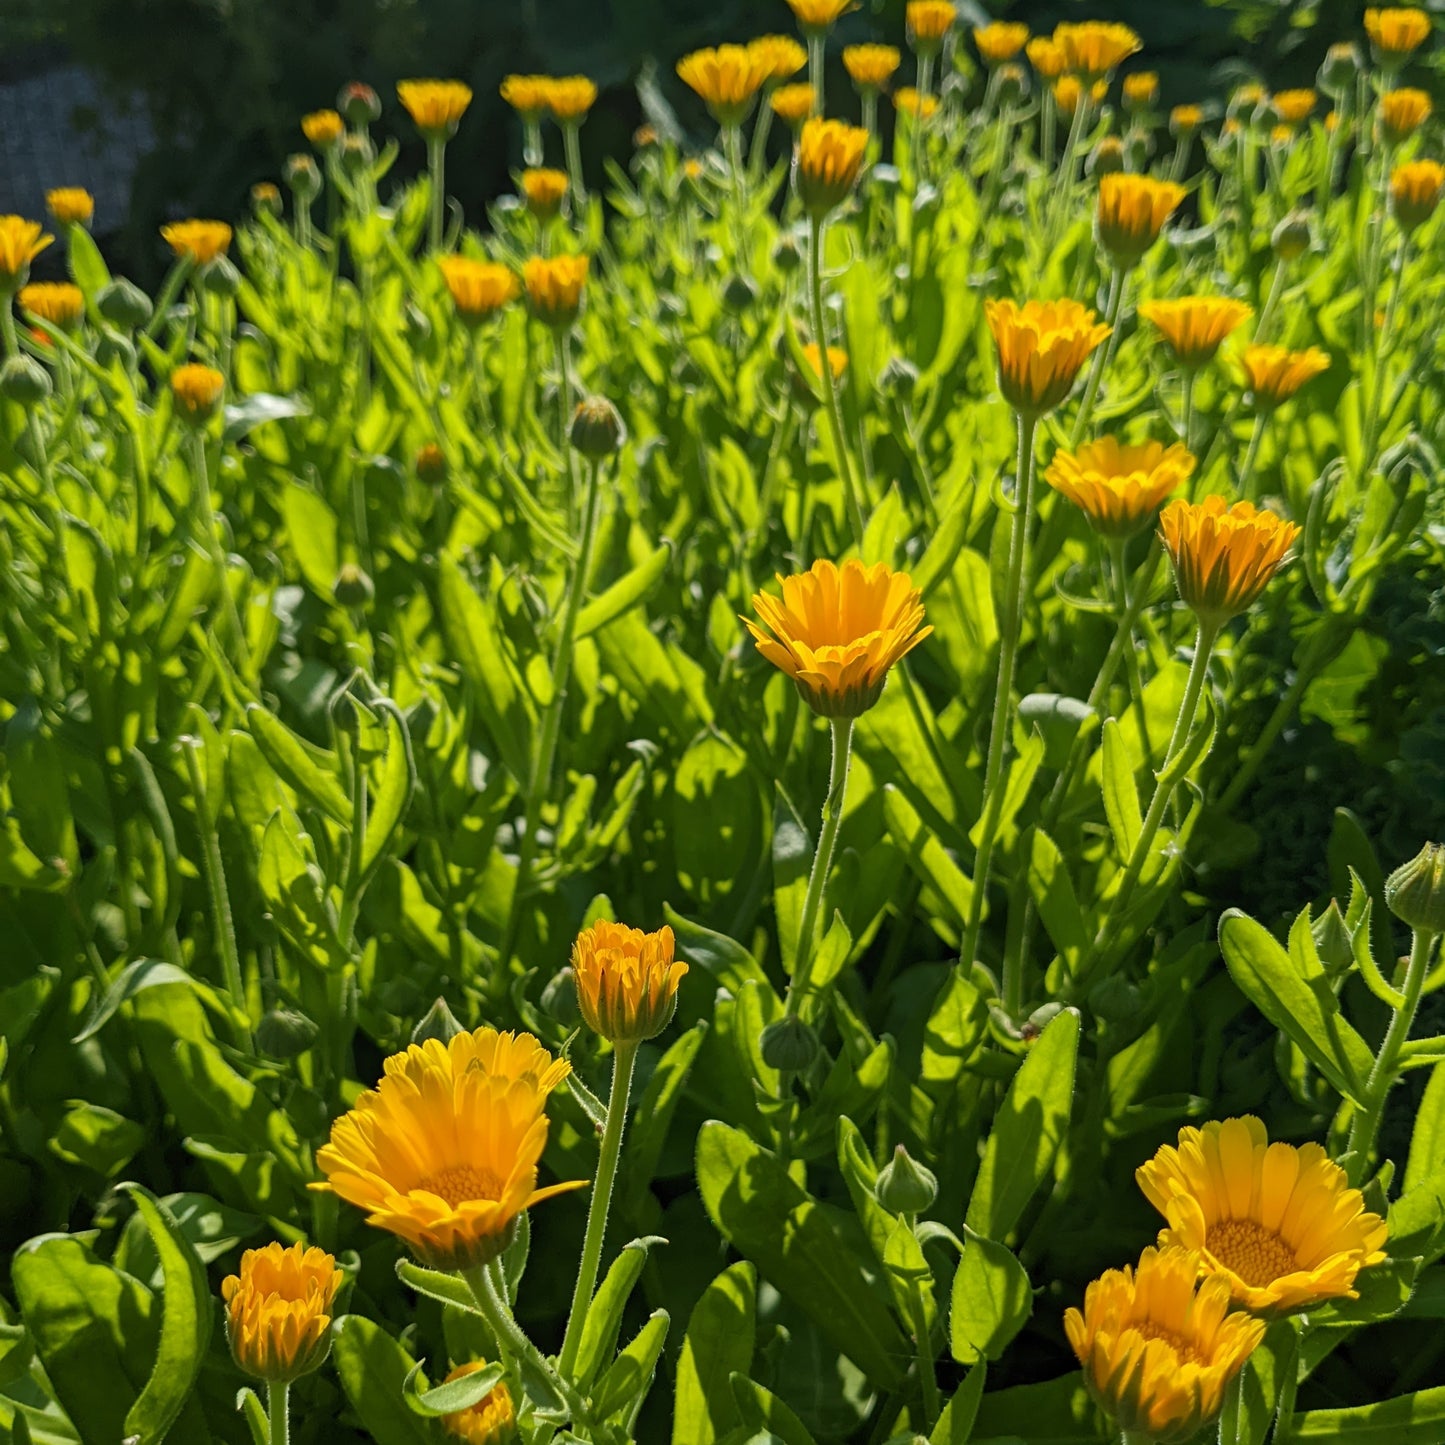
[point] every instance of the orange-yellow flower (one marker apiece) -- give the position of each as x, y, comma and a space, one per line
815, 16
871, 67
479, 289
1132, 212
1047, 57
1140, 90
1415, 189
554, 288
199, 242
323, 128
793, 103
526, 94
544, 191
444, 1151
1159, 1348
1119, 486
626, 981
70, 205
197, 391
1294, 107
1275, 374
435, 106
1069, 91
727, 78
278, 1311
1000, 40
777, 56
837, 630
58, 302
1094, 48
1279, 1225
913, 102
1184, 120
1396, 33
266, 198
1223, 556
431, 462
830, 155
570, 97
1402, 112
928, 21
1195, 326
837, 360
1042, 347
491, 1421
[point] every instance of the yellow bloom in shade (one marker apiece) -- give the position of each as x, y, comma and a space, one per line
871, 67
1094, 48
1275, 374
554, 288
479, 289
278, 1311
70, 205
1069, 90
913, 102
777, 56
830, 155
1278, 1224
626, 981
1132, 211
1184, 120
727, 78
435, 106
1402, 112
199, 242
544, 191
1294, 107
1000, 40
1047, 57
928, 21
491, 1421
1415, 191
793, 103
1195, 326
526, 94
57, 302
443, 1153
837, 630
1223, 556
1159, 1347
197, 391
837, 360
1118, 486
570, 97
1396, 34
1042, 347
21, 241
323, 128
818, 15
1140, 90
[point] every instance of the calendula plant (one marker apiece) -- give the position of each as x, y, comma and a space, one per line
744, 804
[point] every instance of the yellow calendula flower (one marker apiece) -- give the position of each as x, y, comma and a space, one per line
793, 103
778, 57
626, 981
1069, 91
1223, 556
837, 630
815, 16
913, 102
1119, 486
1000, 40
1093, 49
871, 67
526, 94
837, 360
928, 21
570, 97
1415, 191
435, 106
199, 242
727, 78
544, 191
1047, 57
197, 391
70, 205
491, 1421
278, 1311
1396, 33
554, 288
830, 155
58, 302
443, 1153
1195, 326
1159, 1348
323, 128
1131, 213
21, 241
1294, 107
479, 289
1275, 374
1042, 347
1279, 1225
1185, 120
1401, 113
1140, 90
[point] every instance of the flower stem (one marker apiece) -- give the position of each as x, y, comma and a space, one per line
830, 386
1064, 181
1011, 625
1382, 351
492, 1304
624, 1056
1251, 456
1103, 355
1191, 375
1271, 304
572, 146
927, 1374
815, 70
212, 541
276, 1413
436, 158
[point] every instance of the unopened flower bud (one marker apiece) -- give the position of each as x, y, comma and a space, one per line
739, 292
1291, 237
1333, 941
789, 1044
24, 380
904, 1186
113, 347
284, 1033
1012, 81
431, 464
302, 176
1415, 891
1108, 157
220, 277
439, 1022
359, 103
124, 304
356, 153
353, 588
597, 429
786, 255
1338, 71
899, 378
559, 998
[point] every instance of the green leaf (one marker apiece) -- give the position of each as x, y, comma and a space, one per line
955, 1425
1417, 1419
1026, 1130
626, 593
991, 1303
253, 411
450, 1289
185, 1323
718, 1344
604, 1312
1121, 797
288, 755
1427, 1142
1053, 894
392, 798
373, 1370
624, 1387
1054, 1412
87, 265
926, 856
314, 535
96, 1138
763, 1410
143, 973
452, 1395
653, 1115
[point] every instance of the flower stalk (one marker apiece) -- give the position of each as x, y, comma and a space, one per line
277, 1414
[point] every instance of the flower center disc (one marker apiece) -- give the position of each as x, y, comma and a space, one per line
1183, 1348
1256, 1254
463, 1182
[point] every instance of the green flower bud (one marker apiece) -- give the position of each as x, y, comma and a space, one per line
302, 176
904, 1186
284, 1033
1291, 237
899, 378
359, 103
356, 154
1340, 67
24, 380
353, 588
559, 998
789, 1044
739, 292
1415, 891
113, 347
124, 304
1108, 157
597, 428
1333, 940
787, 256
220, 277
439, 1022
